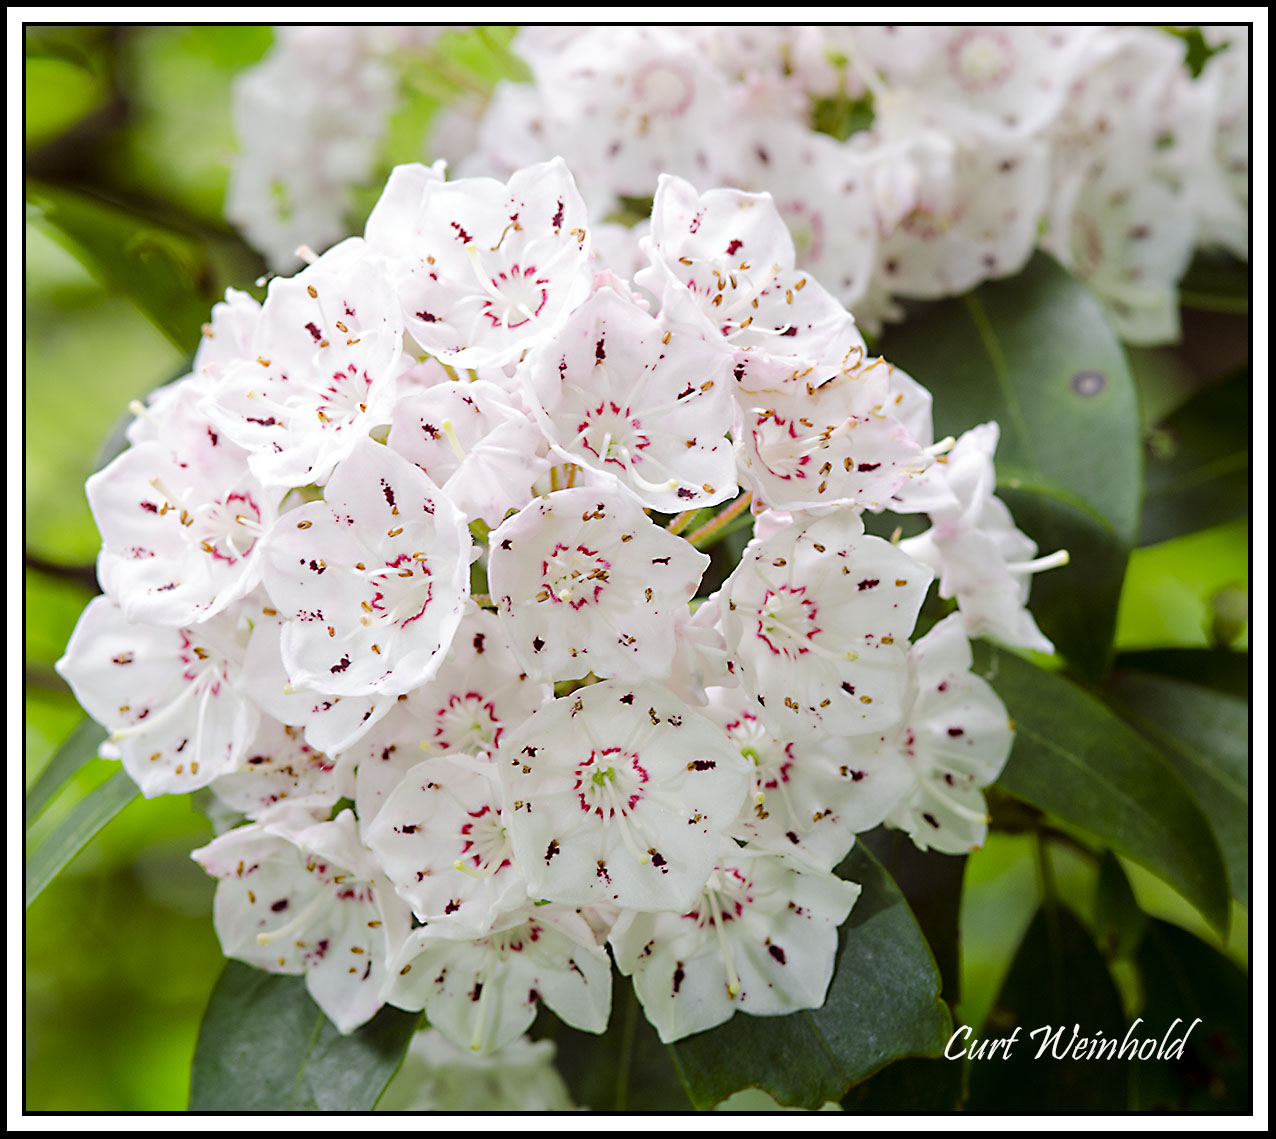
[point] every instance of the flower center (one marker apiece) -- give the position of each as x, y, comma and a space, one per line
468, 723
485, 848
402, 590
786, 621
980, 60
573, 575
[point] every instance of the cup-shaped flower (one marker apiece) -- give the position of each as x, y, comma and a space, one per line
585, 581
485, 270
954, 742
299, 896
619, 793
629, 398
817, 618
469, 438
167, 695
180, 519
441, 836
811, 795
981, 557
482, 994
329, 351
372, 580
761, 936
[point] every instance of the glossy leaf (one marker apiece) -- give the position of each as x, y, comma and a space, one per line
914, 1085
1197, 463
1075, 757
75, 832
1205, 735
165, 273
1058, 981
883, 1004
1217, 282
931, 884
1119, 924
1185, 979
1217, 669
1078, 606
1036, 353
624, 1069
264, 1045
78, 748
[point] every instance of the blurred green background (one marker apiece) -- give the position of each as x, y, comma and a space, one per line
128, 138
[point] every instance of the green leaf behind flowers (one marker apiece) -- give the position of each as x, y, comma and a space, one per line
1036, 353
1073, 756
264, 1045
883, 1004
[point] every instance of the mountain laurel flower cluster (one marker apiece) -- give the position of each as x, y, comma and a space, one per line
432, 572
909, 161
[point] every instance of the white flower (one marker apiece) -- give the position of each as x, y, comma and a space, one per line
478, 695
167, 695
761, 936
584, 581
634, 401
954, 742
619, 793
436, 1075
299, 896
482, 451
488, 269
482, 994
982, 559
441, 837
180, 523
329, 353
811, 795
372, 580
817, 618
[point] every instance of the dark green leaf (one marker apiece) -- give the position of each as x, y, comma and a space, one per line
930, 1086
1035, 352
165, 273
1058, 982
1220, 670
1185, 979
264, 1045
1119, 924
80, 746
1075, 757
74, 833
624, 1069
1197, 463
1205, 735
883, 1004
1065, 602
1216, 281
931, 884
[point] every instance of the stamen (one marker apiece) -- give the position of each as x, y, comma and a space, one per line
1050, 561
622, 821
299, 922
715, 913
453, 441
